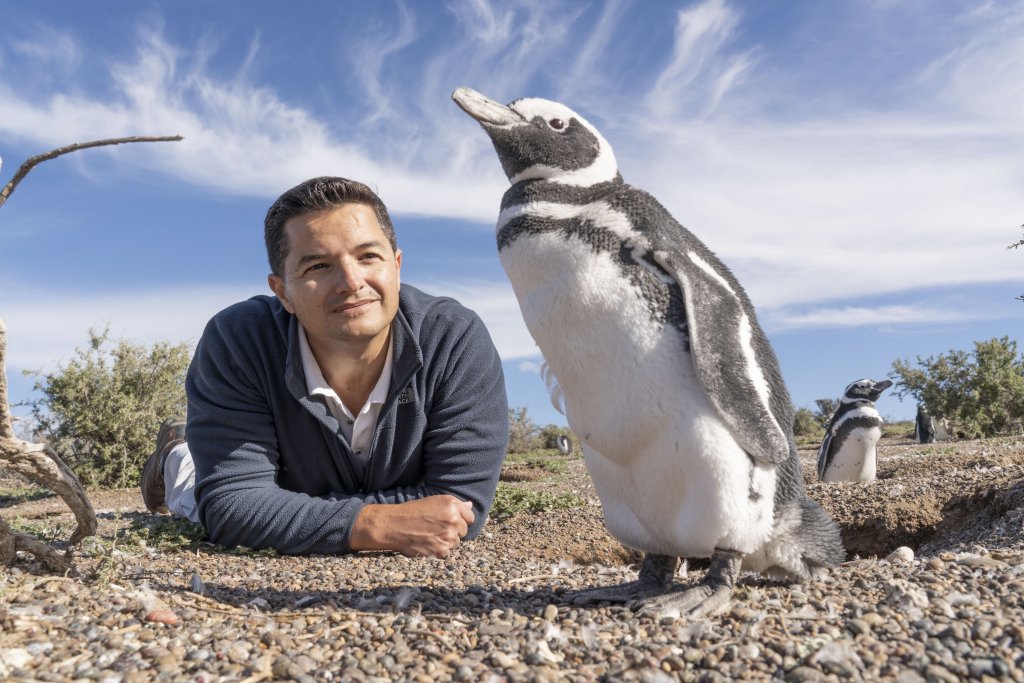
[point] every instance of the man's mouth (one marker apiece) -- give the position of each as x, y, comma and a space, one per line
354, 305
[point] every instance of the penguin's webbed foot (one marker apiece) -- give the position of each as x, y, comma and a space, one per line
711, 595
656, 572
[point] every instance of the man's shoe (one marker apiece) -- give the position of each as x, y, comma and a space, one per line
172, 433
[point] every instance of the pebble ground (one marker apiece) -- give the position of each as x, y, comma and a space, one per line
940, 599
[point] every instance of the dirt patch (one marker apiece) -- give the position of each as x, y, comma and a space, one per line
933, 495
521, 471
926, 496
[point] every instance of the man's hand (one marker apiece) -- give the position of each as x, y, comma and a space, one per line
428, 527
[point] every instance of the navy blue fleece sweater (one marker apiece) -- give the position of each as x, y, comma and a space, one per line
272, 463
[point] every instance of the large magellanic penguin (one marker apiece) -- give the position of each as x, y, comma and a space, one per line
847, 452
664, 372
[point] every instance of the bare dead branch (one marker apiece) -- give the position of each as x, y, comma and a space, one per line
12, 541
38, 462
40, 158
6, 425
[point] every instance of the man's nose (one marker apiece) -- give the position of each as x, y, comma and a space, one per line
350, 278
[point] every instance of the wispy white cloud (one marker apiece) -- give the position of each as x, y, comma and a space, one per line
529, 367
49, 51
805, 208
864, 316
179, 314
701, 70
239, 138
368, 56
175, 314
496, 304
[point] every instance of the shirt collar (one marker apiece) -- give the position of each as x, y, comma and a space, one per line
317, 385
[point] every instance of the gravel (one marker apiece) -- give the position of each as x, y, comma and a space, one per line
931, 591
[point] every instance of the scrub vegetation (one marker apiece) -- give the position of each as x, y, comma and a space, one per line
101, 410
980, 392
511, 500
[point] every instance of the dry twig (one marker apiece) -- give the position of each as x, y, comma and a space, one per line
38, 462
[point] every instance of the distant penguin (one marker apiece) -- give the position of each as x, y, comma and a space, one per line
924, 426
847, 452
665, 375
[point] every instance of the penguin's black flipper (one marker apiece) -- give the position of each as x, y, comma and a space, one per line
736, 375
824, 454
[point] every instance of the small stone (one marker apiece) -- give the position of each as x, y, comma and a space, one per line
804, 674
902, 555
981, 667
162, 616
742, 613
673, 663
550, 612
858, 627
502, 660
934, 672
980, 561
981, 629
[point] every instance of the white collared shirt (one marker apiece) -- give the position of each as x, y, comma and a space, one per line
358, 429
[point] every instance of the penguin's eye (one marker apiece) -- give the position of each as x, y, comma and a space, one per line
557, 124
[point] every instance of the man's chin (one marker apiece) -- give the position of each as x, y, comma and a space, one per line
351, 334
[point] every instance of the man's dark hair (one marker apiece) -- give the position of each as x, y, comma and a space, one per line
315, 196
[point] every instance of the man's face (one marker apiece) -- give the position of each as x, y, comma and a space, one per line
341, 277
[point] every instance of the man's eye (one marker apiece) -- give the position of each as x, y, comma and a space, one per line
315, 267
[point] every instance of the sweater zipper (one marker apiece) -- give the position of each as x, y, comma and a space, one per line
391, 401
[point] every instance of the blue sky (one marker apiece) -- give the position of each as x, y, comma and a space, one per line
859, 165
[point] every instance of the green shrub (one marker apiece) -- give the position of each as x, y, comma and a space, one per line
805, 423
512, 500
549, 435
825, 407
523, 433
981, 392
101, 411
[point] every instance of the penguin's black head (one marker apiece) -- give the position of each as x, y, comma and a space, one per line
541, 139
865, 389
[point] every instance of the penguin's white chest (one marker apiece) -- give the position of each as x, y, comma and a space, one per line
856, 459
671, 477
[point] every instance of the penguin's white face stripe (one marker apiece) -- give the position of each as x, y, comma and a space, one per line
604, 167
706, 267
532, 107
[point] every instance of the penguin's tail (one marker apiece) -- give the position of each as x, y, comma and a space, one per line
805, 542
821, 544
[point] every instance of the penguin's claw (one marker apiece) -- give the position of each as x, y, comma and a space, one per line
655, 578
708, 597
626, 592
700, 601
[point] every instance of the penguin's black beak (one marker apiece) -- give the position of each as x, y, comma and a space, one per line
485, 110
879, 387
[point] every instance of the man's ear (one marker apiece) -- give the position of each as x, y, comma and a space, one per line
276, 285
